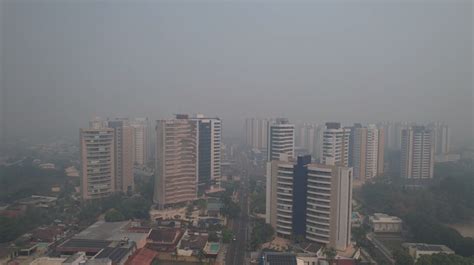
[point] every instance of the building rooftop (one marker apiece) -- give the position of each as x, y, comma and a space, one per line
117, 253
193, 242
310, 247
165, 235
47, 234
85, 245
76, 256
428, 247
381, 217
143, 256
37, 199
102, 230
275, 258
102, 261
212, 248
114, 231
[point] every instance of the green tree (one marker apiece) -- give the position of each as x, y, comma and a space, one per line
402, 257
330, 254
261, 233
226, 235
113, 215
442, 259
135, 207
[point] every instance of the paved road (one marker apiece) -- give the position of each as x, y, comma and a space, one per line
238, 247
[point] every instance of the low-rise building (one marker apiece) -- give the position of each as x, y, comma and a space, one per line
89, 246
212, 249
118, 253
192, 244
278, 258
383, 223
164, 240
143, 256
48, 234
47, 166
419, 249
48, 261
116, 231
38, 201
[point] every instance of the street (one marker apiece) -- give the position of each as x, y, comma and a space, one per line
237, 248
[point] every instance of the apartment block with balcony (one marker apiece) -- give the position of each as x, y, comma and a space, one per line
176, 167
97, 162
310, 200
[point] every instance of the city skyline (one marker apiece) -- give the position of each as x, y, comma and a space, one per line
236, 132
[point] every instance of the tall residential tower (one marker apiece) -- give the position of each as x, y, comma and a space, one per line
256, 133
209, 157
123, 140
417, 156
281, 139
176, 167
97, 161
367, 151
141, 144
335, 147
313, 201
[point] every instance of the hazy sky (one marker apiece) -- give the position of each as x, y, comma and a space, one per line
64, 63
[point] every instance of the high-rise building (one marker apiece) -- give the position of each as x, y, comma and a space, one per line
335, 144
97, 162
176, 167
318, 142
97, 123
256, 132
281, 139
417, 155
393, 133
209, 145
306, 137
313, 201
367, 151
123, 148
140, 129
441, 138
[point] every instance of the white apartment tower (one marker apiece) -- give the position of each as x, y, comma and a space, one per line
97, 162
441, 138
417, 155
140, 129
335, 148
310, 200
329, 205
281, 139
367, 145
176, 167
306, 137
256, 132
279, 197
123, 156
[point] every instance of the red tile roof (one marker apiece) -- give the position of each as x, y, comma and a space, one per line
165, 235
346, 262
143, 256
